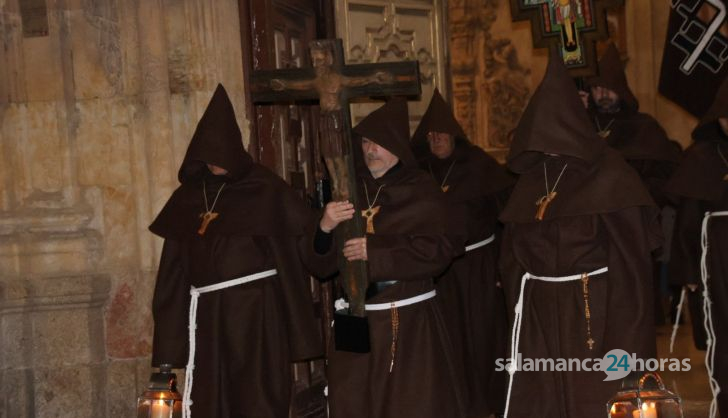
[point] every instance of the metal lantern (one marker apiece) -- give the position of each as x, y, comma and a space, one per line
645, 397
161, 399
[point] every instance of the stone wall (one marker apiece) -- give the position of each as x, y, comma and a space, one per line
98, 100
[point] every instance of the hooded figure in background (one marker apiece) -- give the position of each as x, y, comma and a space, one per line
411, 238
641, 141
636, 135
701, 183
237, 227
471, 298
575, 266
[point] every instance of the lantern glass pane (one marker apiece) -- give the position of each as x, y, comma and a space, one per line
149, 407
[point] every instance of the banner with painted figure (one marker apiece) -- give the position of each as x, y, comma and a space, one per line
696, 53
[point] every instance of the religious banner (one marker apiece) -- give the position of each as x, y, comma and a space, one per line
571, 27
696, 51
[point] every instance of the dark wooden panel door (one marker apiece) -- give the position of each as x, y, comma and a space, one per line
276, 34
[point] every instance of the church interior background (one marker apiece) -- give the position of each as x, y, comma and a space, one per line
99, 98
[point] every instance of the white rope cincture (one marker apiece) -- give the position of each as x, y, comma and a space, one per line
195, 293
707, 312
516, 333
479, 244
676, 325
342, 304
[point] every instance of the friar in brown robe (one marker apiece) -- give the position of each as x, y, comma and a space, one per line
701, 182
472, 300
641, 141
248, 334
575, 258
410, 370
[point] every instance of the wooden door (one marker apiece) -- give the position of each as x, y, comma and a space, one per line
275, 34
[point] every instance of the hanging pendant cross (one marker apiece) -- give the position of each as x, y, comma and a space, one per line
369, 215
543, 203
207, 217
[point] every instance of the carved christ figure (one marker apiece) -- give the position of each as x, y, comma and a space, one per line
329, 84
567, 11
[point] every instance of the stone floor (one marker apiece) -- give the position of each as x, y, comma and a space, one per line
692, 386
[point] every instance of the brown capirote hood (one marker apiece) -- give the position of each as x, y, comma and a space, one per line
388, 127
437, 118
554, 122
217, 140
250, 199
708, 128
611, 76
474, 173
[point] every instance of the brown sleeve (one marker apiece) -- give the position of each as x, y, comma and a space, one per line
320, 264
684, 264
510, 271
170, 308
632, 234
401, 257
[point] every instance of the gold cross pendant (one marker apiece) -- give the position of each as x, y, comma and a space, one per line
543, 203
590, 342
207, 217
369, 215
445, 188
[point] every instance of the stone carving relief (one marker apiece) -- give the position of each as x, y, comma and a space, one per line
104, 17
490, 86
506, 84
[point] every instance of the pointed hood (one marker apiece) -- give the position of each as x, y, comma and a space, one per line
251, 200
554, 122
439, 117
388, 127
611, 76
217, 140
708, 128
474, 173
596, 179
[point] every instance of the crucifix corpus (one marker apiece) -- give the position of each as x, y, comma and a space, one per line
334, 85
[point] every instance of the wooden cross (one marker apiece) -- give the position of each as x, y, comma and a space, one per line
334, 84
369, 215
543, 204
207, 217
569, 26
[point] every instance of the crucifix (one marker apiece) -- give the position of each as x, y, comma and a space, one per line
334, 84
569, 26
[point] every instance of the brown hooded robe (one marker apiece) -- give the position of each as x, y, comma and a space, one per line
637, 136
247, 335
601, 216
702, 184
472, 304
412, 243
